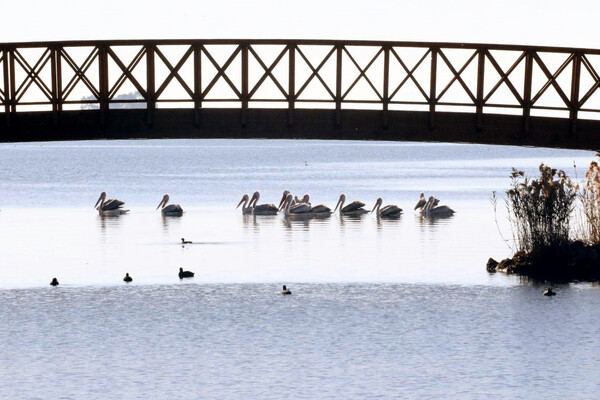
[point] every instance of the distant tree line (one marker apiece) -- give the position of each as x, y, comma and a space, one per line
125, 96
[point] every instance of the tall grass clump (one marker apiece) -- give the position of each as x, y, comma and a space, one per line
589, 196
540, 209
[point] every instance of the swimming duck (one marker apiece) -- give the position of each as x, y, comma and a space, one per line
54, 282
183, 241
185, 274
286, 290
127, 278
549, 292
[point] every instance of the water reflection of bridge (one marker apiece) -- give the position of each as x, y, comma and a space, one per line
481, 93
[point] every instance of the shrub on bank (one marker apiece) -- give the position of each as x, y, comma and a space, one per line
589, 196
540, 211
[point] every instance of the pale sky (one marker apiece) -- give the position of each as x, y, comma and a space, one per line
534, 22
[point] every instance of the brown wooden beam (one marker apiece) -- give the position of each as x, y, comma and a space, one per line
291, 83
197, 84
244, 96
103, 83
575, 84
386, 85
338, 86
432, 88
7, 90
150, 85
480, 84
527, 92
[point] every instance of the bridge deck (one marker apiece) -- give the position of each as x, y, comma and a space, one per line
310, 124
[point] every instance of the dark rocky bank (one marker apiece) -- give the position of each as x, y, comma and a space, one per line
571, 262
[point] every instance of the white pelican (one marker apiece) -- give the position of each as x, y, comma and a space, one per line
354, 208
283, 198
432, 210
171, 210
421, 203
296, 210
389, 211
110, 206
262, 209
319, 210
245, 208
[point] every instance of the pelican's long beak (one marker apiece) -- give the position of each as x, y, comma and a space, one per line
162, 203
240, 203
253, 200
282, 201
98, 201
338, 204
374, 207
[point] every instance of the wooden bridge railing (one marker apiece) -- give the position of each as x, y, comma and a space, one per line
388, 78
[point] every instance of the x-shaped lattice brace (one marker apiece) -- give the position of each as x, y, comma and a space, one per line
315, 72
221, 72
127, 73
362, 73
504, 77
457, 76
269, 73
80, 73
552, 79
32, 74
410, 74
595, 76
174, 72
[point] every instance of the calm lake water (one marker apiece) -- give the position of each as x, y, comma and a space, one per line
380, 308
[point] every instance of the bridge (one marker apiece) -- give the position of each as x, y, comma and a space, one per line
321, 89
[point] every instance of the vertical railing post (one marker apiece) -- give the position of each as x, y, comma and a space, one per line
244, 83
103, 82
291, 83
59, 87
527, 91
480, 83
13, 86
6, 87
54, 85
150, 84
575, 83
197, 83
386, 84
338, 85
432, 88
